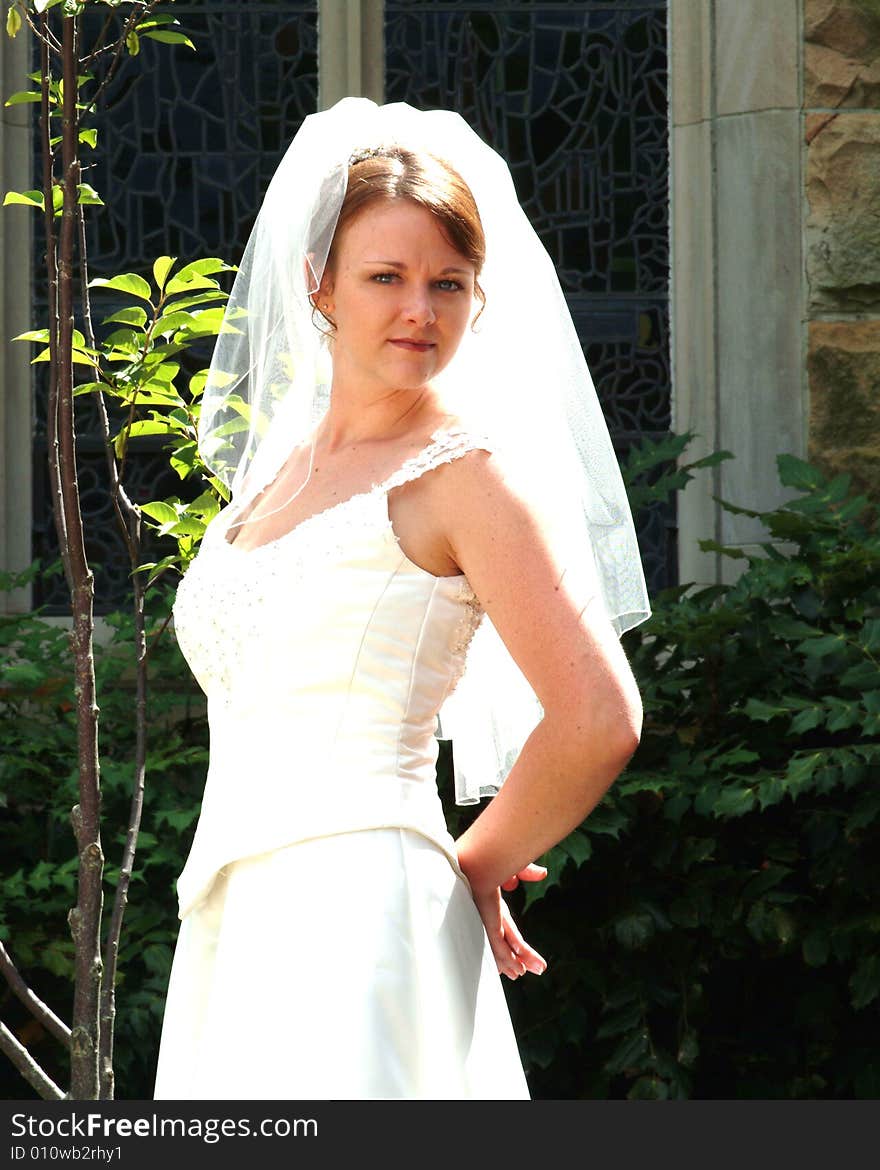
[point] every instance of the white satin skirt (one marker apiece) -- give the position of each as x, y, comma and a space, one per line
347, 967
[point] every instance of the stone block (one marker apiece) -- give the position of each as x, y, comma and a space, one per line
693, 338
759, 332
757, 53
690, 61
843, 364
841, 53
842, 229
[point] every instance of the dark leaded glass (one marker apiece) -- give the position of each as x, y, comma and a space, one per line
185, 152
575, 98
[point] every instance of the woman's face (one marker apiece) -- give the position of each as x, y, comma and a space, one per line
400, 294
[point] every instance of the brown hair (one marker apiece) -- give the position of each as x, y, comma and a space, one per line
397, 173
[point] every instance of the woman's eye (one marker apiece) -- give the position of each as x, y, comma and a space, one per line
384, 277
449, 285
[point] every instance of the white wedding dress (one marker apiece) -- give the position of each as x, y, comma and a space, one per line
329, 946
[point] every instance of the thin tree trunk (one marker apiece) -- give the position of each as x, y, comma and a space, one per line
85, 917
52, 278
130, 524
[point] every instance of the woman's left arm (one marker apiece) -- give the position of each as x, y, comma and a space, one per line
542, 598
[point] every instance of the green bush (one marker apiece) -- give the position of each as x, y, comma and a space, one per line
713, 927
38, 787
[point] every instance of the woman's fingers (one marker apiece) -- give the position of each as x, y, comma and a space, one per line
517, 954
513, 955
530, 873
527, 956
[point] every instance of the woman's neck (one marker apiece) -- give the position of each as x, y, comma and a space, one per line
359, 417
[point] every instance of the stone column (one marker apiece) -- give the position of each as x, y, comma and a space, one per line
351, 50
15, 307
841, 132
737, 273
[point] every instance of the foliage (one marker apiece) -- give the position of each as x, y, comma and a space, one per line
37, 789
712, 926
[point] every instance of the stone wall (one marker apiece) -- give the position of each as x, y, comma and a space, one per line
737, 270
841, 124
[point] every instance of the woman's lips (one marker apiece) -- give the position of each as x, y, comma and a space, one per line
415, 346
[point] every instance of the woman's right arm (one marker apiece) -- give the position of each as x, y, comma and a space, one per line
542, 598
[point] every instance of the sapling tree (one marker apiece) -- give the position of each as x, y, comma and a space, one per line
135, 365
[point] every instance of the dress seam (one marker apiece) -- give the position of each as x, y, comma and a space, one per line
429, 605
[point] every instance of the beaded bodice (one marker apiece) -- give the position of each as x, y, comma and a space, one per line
325, 656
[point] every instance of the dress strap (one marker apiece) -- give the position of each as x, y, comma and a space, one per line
444, 447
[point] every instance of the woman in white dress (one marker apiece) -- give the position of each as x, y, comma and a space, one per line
335, 941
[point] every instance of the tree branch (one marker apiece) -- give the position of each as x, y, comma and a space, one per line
35, 1006
52, 274
111, 948
117, 49
35, 1076
44, 33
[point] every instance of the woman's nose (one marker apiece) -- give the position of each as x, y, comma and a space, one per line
420, 308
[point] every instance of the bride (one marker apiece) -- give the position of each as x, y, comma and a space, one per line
427, 521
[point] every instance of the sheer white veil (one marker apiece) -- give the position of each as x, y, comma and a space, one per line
520, 378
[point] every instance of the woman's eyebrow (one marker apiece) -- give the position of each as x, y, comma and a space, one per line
399, 264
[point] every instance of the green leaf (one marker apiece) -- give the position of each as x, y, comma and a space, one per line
823, 646
209, 265
605, 818
156, 20
88, 194
160, 511
148, 426
628, 1053
864, 985
23, 96
578, 847
633, 930
171, 322
185, 527
91, 387
697, 849
869, 636
133, 44
170, 38
807, 719
89, 138
860, 676
619, 1022
27, 198
689, 1049
183, 459
770, 791
796, 473
649, 1088
816, 947
136, 317
734, 802
763, 712
13, 23
161, 267
127, 282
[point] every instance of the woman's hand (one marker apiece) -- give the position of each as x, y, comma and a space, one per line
513, 955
